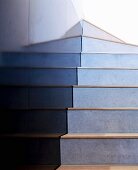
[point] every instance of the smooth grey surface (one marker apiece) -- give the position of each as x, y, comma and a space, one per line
109, 60
38, 77
48, 97
68, 45
102, 121
33, 121
107, 77
39, 60
92, 45
13, 98
99, 151
105, 97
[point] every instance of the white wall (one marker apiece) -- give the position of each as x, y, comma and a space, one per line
13, 24
51, 19
24, 22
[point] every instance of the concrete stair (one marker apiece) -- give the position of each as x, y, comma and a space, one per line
70, 102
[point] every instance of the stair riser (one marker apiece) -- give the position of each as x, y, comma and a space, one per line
39, 60
35, 98
27, 151
91, 45
107, 77
105, 97
99, 151
102, 121
34, 121
70, 76
38, 77
109, 60
69, 45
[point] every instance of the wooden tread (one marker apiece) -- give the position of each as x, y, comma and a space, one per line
112, 108
100, 136
98, 167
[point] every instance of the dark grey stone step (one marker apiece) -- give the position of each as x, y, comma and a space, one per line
35, 97
30, 151
33, 121
39, 60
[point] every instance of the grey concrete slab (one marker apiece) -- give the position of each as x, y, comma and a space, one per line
92, 45
105, 97
39, 60
33, 121
102, 121
48, 97
99, 151
107, 77
109, 60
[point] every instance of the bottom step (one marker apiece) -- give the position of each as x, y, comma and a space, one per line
107, 167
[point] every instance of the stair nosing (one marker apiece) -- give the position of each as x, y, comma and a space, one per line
100, 136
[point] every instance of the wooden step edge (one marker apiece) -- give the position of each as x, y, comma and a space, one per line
108, 68
98, 167
31, 135
117, 108
100, 136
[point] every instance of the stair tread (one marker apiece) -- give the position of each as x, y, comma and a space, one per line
112, 108
100, 136
98, 167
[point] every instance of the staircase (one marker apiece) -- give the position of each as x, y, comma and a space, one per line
70, 104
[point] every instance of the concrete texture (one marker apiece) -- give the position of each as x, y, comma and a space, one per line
99, 151
109, 60
92, 45
102, 121
107, 77
105, 97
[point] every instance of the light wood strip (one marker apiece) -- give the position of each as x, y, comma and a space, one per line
100, 136
98, 167
117, 108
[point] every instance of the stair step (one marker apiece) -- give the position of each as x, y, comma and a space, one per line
112, 60
93, 149
95, 45
110, 76
16, 97
69, 76
98, 167
38, 60
104, 96
104, 120
33, 121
